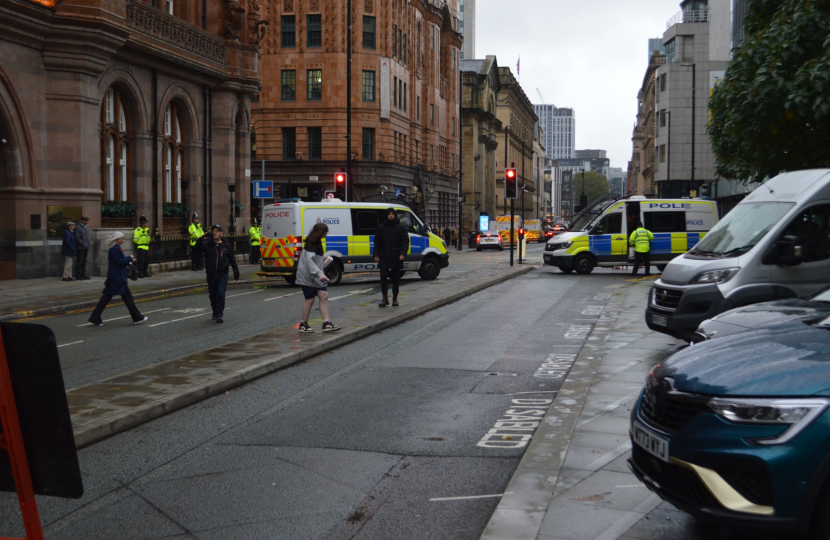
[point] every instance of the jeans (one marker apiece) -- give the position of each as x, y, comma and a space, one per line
642, 259
217, 283
80, 263
95, 318
393, 273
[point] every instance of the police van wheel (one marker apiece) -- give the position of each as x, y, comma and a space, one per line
334, 272
290, 280
583, 264
566, 269
430, 268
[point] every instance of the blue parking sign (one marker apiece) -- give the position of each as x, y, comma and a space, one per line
263, 189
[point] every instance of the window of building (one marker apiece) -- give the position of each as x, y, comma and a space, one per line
670, 51
314, 33
404, 97
315, 143
662, 153
404, 49
315, 84
663, 118
663, 82
289, 144
431, 37
289, 85
368, 32
115, 140
394, 41
168, 6
288, 32
418, 107
368, 144
368, 86
453, 127
431, 114
173, 145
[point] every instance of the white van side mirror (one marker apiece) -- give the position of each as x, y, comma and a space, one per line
784, 252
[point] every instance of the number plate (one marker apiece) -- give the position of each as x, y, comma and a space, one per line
266, 262
653, 444
659, 320
488, 240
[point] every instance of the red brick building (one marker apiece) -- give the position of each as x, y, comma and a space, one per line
405, 100
109, 108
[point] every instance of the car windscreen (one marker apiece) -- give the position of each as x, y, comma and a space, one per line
741, 229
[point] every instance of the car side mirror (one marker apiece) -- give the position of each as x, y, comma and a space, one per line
784, 252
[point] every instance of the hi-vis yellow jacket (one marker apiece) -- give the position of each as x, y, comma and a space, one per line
641, 240
196, 232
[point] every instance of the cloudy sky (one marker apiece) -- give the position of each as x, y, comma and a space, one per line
587, 54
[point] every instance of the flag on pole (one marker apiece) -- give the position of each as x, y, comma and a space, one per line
518, 70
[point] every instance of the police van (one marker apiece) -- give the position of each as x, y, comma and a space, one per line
599, 235
350, 239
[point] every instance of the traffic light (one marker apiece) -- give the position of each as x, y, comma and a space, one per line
521, 232
339, 179
510, 184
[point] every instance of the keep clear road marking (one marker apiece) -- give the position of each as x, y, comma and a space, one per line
349, 294
127, 316
281, 296
471, 497
68, 344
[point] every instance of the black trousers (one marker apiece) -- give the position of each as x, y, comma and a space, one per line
95, 318
255, 254
80, 263
641, 259
143, 261
195, 259
217, 283
385, 274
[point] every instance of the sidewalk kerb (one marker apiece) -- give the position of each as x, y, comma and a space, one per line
93, 432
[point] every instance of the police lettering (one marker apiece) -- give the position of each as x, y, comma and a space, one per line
277, 214
680, 206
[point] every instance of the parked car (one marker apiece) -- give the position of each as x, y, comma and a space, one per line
808, 310
489, 240
738, 429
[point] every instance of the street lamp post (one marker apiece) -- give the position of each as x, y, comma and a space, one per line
506, 133
694, 77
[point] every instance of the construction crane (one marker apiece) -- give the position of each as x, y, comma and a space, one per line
540, 96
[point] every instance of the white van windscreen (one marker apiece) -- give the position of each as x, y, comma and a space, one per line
741, 229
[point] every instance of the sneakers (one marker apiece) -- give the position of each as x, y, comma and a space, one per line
219, 320
329, 326
142, 321
304, 327
96, 323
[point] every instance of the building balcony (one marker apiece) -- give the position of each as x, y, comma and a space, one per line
690, 16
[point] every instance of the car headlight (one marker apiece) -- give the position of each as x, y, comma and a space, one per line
556, 247
716, 276
795, 413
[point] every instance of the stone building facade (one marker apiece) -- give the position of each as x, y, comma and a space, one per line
404, 109
642, 166
111, 105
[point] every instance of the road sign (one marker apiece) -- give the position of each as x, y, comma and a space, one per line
263, 189
330, 195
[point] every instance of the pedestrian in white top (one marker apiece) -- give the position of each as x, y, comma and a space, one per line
312, 278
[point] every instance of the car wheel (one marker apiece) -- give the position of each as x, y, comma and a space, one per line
334, 272
290, 280
566, 269
430, 268
584, 264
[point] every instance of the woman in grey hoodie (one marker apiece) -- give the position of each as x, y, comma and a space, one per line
313, 280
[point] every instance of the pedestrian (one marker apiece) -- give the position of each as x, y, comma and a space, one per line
390, 249
116, 283
141, 239
68, 251
447, 235
196, 233
219, 258
255, 232
82, 248
641, 239
313, 280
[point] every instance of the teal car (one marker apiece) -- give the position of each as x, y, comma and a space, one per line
738, 428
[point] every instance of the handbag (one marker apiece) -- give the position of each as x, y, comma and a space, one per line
132, 271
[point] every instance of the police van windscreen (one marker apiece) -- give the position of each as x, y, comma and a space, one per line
583, 221
741, 229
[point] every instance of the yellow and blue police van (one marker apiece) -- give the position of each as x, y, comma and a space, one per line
350, 239
599, 235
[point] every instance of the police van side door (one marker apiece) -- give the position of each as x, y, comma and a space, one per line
607, 239
365, 222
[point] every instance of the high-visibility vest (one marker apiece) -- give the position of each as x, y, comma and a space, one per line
256, 234
196, 232
141, 238
641, 240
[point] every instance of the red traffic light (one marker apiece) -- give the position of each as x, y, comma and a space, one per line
510, 184
510, 174
340, 178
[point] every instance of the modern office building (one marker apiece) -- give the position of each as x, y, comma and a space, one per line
467, 18
655, 45
559, 126
591, 154
616, 181
738, 15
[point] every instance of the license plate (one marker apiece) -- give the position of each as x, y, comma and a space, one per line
653, 444
659, 320
267, 263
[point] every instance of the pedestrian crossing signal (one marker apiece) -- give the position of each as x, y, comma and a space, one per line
510, 184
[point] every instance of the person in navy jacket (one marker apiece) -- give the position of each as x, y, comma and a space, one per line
68, 251
116, 283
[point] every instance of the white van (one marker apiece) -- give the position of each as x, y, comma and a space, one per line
599, 236
350, 240
775, 244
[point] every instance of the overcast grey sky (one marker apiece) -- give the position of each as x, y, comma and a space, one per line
587, 54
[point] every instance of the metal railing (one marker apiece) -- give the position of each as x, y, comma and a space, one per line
177, 248
690, 16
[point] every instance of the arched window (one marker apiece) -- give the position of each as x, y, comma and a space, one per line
115, 148
173, 154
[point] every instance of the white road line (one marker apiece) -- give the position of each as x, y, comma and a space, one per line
177, 320
243, 294
281, 296
127, 316
349, 294
68, 344
471, 497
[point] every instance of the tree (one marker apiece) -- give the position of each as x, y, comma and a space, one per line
596, 185
771, 111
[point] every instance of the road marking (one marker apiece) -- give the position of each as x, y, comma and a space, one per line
555, 366
470, 497
177, 320
244, 293
68, 344
126, 316
349, 294
516, 426
282, 296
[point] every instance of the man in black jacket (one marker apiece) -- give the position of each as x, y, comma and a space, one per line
391, 247
218, 258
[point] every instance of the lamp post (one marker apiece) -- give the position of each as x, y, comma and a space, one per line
348, 98
506, 133
694, 73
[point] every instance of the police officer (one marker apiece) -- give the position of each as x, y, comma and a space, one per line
195, 231
141, 239
255, 233
641, 239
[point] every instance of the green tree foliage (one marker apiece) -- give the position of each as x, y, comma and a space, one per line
596, 185
771, 111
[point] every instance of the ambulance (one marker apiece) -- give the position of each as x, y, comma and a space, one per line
350, 240
599, 235
503, 226
533, 230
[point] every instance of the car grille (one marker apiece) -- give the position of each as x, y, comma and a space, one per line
666, 298
669, 410
748, 477
675, 480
